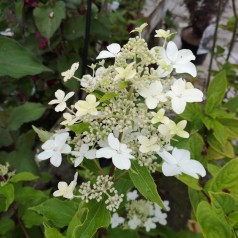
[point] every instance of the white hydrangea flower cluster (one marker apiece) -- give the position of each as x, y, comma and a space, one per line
127, 113
140, 214
101, 189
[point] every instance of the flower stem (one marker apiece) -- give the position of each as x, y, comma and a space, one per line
99, 167
120, 176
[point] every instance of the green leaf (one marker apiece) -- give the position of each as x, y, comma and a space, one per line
80, 127
121, 233
196, 145
31, 218
5, 139
43, 135
16, 61
107, 97
193, 113
57, 211
77, 220
211, 225
98, 216
223, 203
51, 232
48, 17
6, 225
226, 178
23, 176
28, 196
74, 27
145, 184
232, 104
189, 181
195, 198
25, 113
23, 158
216, 91
6, 196
226, 149
213, 168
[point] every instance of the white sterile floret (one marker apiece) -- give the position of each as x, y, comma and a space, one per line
84, 151
182, 92
159, 216
132, 195
159, 117
162, 33
149, 224
179, 162
153, 94
125, 73
134, 222
88, 82
61, 99
68, 74
54, 148
119, 153
148, 145
116, 220
178, 59
65, 190
89, 106
171, 129
69, 119
112, 52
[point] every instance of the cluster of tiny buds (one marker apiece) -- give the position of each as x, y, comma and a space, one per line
102, 187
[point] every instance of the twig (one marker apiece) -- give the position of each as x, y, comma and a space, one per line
22, 227
205, 86
234, 30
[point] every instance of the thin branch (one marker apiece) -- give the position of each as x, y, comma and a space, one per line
205, 86
234, 30
22, 227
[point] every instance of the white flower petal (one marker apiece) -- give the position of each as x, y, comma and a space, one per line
113, 142
184, 56
151, 102
192, 95
69, 95
178, 105
59, 94
181, 155
54, 101
172, 51
120, 162
91, 154
56, 159
170, 169
62, 185
105, 54
106, 152
78, 161
60, 107
193, 168
188, 68
114, 48
45, 155
166, 156
61, 138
